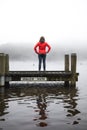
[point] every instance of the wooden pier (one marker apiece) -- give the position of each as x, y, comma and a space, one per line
68, 76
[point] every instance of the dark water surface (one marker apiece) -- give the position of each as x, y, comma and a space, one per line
45, 106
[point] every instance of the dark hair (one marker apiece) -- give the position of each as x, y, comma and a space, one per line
42, 39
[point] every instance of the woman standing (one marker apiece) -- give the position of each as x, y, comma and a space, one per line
42, 48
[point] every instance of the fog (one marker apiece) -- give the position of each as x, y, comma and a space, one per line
63, 23
25, 52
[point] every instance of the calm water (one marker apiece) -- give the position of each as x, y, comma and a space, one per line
45, 106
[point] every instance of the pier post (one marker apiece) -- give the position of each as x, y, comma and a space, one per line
66, 62
2, 69
73, 68
66, 67
6, 63
6, 69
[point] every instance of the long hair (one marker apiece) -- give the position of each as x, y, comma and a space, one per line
42, 39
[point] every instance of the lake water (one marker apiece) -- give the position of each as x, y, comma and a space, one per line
47, 106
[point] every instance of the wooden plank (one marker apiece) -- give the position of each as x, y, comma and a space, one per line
36, 73
50, 75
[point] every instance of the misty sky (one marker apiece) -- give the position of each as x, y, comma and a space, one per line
62, 22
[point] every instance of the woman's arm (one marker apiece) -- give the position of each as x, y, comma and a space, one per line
49, 47
35, 48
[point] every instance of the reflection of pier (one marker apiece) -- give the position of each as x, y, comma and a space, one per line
68, 76
42, 100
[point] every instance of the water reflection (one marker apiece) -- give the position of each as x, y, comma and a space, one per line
45, 99
3, 103
41, 104
70, 100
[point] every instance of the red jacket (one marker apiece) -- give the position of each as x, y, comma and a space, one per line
40, 48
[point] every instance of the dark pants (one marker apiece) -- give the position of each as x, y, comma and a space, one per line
42, 57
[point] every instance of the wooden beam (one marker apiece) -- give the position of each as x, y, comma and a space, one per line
73, 68
66, 68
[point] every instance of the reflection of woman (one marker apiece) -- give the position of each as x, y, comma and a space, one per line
42, 106
40, 49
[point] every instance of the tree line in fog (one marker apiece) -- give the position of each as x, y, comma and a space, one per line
26, 52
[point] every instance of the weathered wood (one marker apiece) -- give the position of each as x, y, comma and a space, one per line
66, 68
73, 68
6, 76
6, 64
6, 67
73, 62
66, 62
2, 64
50, 75
2, 69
